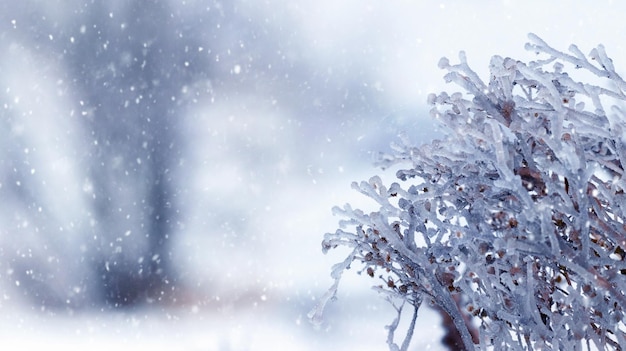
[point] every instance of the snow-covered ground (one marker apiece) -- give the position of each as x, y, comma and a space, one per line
297, 97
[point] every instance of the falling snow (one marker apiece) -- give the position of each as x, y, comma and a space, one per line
167, 168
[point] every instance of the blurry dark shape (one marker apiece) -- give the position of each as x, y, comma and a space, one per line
132, 63
133, 67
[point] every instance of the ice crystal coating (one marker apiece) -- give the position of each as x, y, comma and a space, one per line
513, 225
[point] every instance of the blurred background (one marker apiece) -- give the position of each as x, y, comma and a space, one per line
167, 168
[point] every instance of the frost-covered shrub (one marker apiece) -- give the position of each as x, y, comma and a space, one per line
513, 225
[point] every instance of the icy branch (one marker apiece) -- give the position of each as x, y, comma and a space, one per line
515, 221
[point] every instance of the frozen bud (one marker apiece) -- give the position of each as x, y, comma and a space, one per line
558, 67
444, 63
456, 96
432, 99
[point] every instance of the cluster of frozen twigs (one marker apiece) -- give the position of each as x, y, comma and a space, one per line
513, 225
